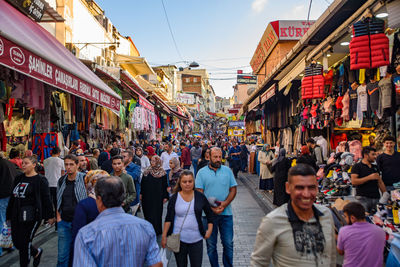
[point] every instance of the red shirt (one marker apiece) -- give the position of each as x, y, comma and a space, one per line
185, 157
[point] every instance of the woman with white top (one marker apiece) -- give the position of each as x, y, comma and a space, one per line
184, 213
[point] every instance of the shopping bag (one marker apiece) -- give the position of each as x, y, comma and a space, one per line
5, 237
163, 256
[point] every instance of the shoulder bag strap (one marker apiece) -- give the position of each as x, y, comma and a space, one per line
190, 203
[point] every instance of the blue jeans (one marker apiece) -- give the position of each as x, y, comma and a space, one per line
223, 224
194, 163
137, 186
167, 171
3, 208
64, 242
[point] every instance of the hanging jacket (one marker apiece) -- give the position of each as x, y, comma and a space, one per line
369, 47
312, 85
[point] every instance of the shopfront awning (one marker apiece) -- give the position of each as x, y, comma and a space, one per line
28, 48
134, 65
129, 80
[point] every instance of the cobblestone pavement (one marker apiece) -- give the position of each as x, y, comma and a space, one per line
249, 206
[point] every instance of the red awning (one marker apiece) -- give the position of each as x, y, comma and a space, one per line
28, 48
143, 102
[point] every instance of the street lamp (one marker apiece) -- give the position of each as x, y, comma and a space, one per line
194, 64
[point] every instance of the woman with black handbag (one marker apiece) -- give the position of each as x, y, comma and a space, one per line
183, 223
29, 204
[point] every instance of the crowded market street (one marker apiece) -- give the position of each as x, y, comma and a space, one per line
200, 133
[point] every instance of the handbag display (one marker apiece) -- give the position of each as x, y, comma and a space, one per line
174, 240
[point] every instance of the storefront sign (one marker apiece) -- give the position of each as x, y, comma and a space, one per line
22, 60
183, 98
292, 29
237, 106
146, 104
246, 79
254, 104
235, 132
268, 94
33, 8
238, 124
264, 48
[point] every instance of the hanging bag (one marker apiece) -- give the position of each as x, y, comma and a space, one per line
5, 236
174, 240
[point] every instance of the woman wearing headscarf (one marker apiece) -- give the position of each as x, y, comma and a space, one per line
175, 172
154, 193
280, 168
86, 210
265, 157
150, 152
306, 158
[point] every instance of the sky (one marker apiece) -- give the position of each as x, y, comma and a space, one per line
220, 35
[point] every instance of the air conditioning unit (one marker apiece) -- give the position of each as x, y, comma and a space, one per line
100, 61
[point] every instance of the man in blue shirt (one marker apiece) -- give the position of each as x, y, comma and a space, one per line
234, 154
217, 181
115, 238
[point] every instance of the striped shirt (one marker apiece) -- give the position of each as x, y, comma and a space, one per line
116, 239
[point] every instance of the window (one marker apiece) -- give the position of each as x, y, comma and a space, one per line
187, 80
195, 80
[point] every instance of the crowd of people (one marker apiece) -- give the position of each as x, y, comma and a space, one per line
91, 197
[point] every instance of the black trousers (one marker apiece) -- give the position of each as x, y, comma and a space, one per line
22, 236
53, 198
195, 252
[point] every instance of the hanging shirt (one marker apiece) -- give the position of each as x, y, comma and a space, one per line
373, 95
385, 94
362, 103
353, 102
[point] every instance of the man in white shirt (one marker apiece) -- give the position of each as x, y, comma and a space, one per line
53, 169
166, 156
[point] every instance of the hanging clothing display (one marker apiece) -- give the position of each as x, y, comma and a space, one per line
369, 47
312, 85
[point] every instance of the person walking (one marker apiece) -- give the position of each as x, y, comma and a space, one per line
315, 151
107, 165
280, 168
166, 156
29, 204
265, 157
186, 160
93, 159
86, 210
14, 156
8, 172
234, 155
105, 155
306, 158
389, 163
362, 243
195, 153
118, 170
134, 171
70, 191
365, 177
154, 193
54, 169
204, 160
150, 152
298, 233
244, 157
175, 172
144, 160
218, 182
115, 238
183, 217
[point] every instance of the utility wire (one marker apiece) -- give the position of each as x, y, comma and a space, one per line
309, 10
170, 30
